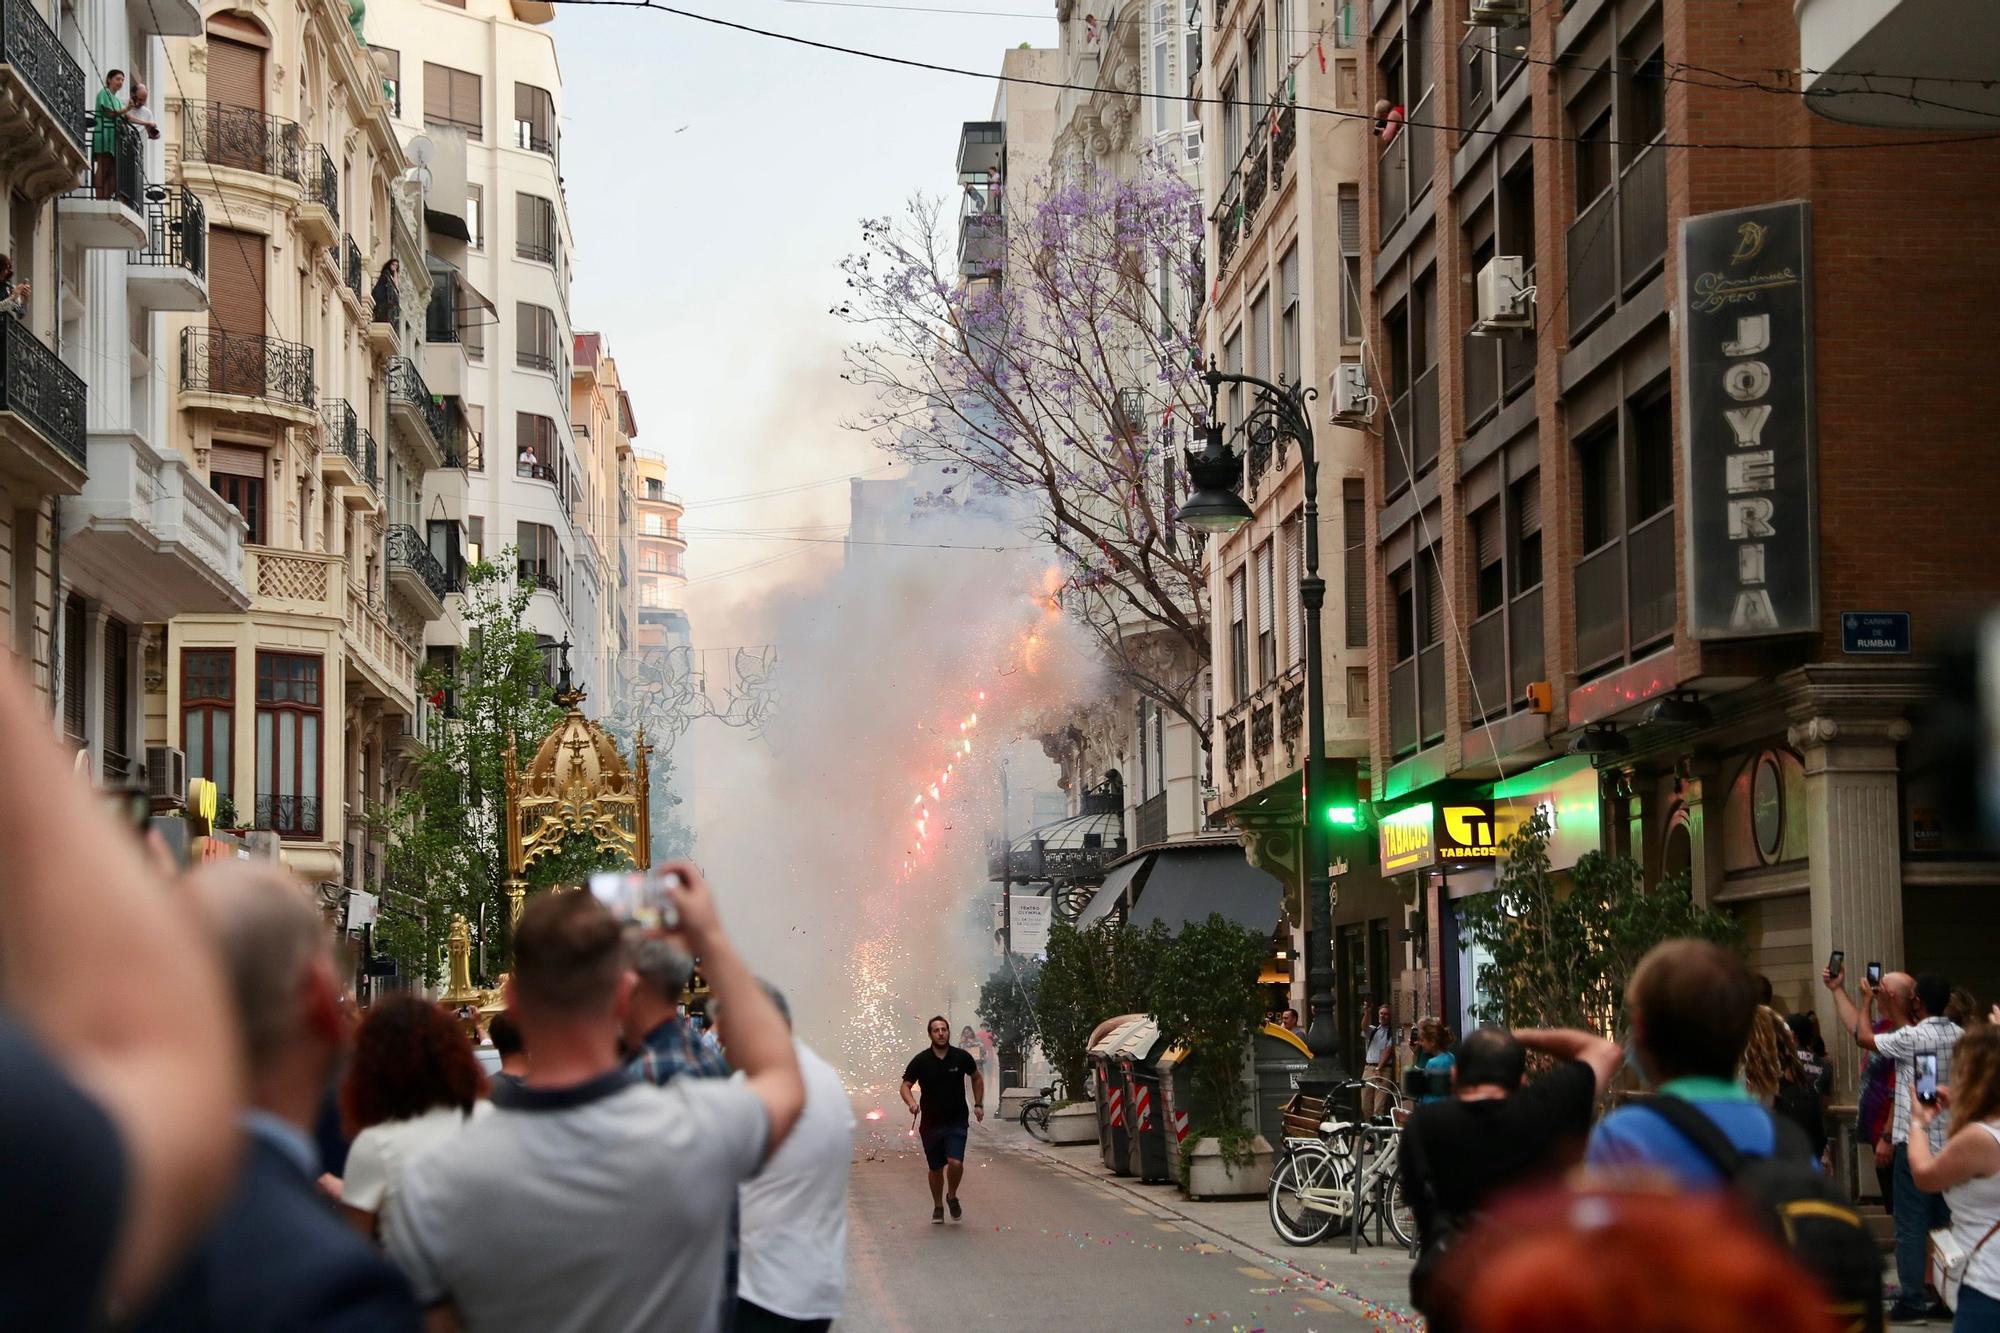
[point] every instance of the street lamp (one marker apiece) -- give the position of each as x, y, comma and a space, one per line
1215, 471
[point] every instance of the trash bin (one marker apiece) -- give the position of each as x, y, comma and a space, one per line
1279, 1058
1176, 1104
1145, 1115
1109, 1092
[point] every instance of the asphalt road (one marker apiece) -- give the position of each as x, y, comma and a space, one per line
1042, 1248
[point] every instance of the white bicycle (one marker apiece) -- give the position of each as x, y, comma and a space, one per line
1314, 1189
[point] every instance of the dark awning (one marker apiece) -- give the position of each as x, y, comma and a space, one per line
1188, 883
447, 224
1131, 875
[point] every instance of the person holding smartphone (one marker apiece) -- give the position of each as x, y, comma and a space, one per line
1967, 1172
1917, 1211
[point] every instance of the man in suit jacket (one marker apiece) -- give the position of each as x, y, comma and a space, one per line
279, 1258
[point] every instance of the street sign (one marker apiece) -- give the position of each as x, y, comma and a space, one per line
1031, 924
1871, 632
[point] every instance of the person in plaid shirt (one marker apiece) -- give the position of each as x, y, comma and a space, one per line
665, 1044
1917, 1213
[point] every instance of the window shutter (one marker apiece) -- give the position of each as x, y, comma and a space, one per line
1486, 536
1350, 219
1528, 501
75, 627
1433, 607
1354, 522
117, 697
1295, 569
235, 74
236, 281
465, 102
1236, 596
1266, 590
233, 460
437, 91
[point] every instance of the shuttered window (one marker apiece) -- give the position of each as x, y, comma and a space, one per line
534, 118
1295, 569
1489, 576
1260, 334
236, 280
1354, 555
1239, 638
451, 97
1431, 628
1349, 200
235, 70
1267, 620
535, 337
74, 661
117, 700
1288, 316
1526, 502
534, 228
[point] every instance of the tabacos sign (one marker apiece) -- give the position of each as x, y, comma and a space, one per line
1418, 836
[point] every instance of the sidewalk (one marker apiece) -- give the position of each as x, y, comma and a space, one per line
1377, 1279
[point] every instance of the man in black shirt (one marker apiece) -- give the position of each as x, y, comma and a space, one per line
1493, 1135
940, 1072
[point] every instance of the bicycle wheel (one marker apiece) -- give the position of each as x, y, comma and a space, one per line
1296, 1221
1035, 1119
1402, 1218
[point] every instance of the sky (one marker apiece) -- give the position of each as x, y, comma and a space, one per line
715, 181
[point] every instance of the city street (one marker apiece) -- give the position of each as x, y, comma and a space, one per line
1042, 1247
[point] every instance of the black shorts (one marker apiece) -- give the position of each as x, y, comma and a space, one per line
945, 1143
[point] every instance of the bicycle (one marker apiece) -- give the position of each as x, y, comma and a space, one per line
1035, 1114
1313, 1189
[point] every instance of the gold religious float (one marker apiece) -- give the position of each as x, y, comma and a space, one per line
461, 994
577, 784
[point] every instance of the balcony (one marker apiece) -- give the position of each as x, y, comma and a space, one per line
319, 197
421, 730
288, 816
1600, 607
1619, 242
1403, 708
1430, 694
1625, 595
171, 272
353, 277
1954, 44
1480, 378
1149, 822
1392, 198
41, 105
347, 453
1524, 640
982, 244
41, 415
1228, 219
540, 576
165, 18
1396, 451
982, 147
110, 214
1517, 358
377, 655
1235, 746
1651, 581
241, 139
416, 413
1256, 179
1283, 142
1486, 646
1417, 140
247, 372
415, 572
149, 526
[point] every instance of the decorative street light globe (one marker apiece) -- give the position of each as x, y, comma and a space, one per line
1215, 470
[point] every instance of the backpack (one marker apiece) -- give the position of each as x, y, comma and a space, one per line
1799, 1207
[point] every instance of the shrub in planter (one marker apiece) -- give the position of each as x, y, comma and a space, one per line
1087, 976
1205, 998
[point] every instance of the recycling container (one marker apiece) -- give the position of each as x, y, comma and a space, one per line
1109, 1094
1279, 1057
1145, 1113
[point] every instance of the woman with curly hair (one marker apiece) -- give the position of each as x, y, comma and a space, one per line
1773, 1074
1434, 1042
413, 1082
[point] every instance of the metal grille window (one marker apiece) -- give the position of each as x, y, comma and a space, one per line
451, 98
1267, 627
1239, 637
288, 743
208, 713
1354, 554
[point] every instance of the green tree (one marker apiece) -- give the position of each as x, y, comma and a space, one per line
445, 857
1205, 997
1007, 1002
1099, 972
1562, 949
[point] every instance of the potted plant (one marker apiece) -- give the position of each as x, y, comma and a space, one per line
1206, 999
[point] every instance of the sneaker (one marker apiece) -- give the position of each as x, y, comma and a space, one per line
937, 1215
956, 1211
1904, 1312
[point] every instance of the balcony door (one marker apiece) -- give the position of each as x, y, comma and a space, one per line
238, 51
234, 347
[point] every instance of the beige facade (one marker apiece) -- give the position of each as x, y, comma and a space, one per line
662, 578
600, 412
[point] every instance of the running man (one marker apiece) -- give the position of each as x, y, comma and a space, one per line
940, 1073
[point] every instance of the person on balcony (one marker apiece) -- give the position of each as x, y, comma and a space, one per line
13, 295
1388, 121
139, 113
106, 116
389, 293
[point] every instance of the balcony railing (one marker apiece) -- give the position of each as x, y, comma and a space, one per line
1593, 262
1235, 745
246, 365
1486, 646
1403, 707
537, 574
31, 48
408, 551
288, 816
1481, 374
1642, 218
1396, 449
322, 180
1283, 142
1263, 731
1292, 711
237, 136
406, 386
127, 181
1524, 639
1149, 821
1228, 222
37, 387
1517, 358
1652, 579
1600, 606
341, 433
1424, 422
1391, 186
1430, 693
352, 270
176, 232
1256, 177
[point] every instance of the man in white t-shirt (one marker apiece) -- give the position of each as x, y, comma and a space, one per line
794, 1213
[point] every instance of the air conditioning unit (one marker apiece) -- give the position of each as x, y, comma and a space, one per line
1497, 13
1353, 401
166, 774
1506, 301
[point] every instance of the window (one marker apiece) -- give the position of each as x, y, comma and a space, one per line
1232, 361
1525, 511
1260, 334
208, 714
534, 119
117, 699
1288, 316
652, 595
536, 450
451, 98
472, 337
1294, 558
1346, 84
1645, 103
1239, 638
1349, 200
1253, 65
1597, 459
1164, 295
1190, 62
1652, 459
389, 69
1489, 571
1593, 160
1517, 216
1354, 534
475, 215
540, 555
1232, 116
247, 495
75, 670
1267, 620
654, 526
1163, 39
535, 337
288, 744
535, 222
1403, 597
475, 536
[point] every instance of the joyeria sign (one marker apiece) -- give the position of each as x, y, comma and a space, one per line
1747, 422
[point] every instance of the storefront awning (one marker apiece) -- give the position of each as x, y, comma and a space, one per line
1117, 880
1188, 883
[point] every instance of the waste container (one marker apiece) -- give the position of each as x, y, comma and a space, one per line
1145, 1116
1279, 1058
1109, 1092
1177, 1114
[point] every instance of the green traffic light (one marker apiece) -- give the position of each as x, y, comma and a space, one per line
1346, 816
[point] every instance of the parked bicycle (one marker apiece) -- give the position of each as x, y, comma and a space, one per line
1035, 1114
1313, 1188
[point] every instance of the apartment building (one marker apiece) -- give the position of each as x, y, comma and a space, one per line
1668, 483
600, 412
479, 84
287, 393
663, 620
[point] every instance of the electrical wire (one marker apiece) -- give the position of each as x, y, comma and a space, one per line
1524, 135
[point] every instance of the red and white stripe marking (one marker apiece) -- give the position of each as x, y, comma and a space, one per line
1180, 1125
1142, 1106
1117, 1105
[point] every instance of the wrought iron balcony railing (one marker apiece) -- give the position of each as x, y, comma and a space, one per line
322, 180
406, 385
408, 551
31, 48
127, 180
237, 136
288, 816
342, 434
36, 386
246, 365
351, 269
176, 231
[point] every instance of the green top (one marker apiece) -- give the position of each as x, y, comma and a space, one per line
1706, 1090
104, 128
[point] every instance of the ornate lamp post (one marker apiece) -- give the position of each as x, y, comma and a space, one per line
1214, 506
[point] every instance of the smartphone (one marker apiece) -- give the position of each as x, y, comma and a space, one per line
1874, 974
1927, 1078
639, 898
1835, 961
